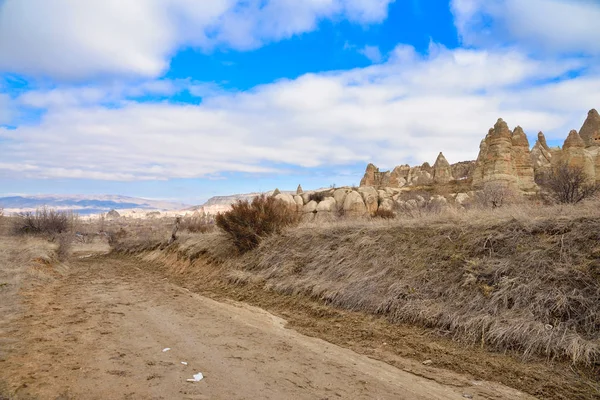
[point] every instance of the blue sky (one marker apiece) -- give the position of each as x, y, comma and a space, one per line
179, 99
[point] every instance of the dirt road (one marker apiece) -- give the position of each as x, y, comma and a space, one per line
99, 333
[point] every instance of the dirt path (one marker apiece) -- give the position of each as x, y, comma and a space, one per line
99, 332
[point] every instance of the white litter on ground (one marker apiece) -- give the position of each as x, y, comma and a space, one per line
166, 349
197, 378
184, 363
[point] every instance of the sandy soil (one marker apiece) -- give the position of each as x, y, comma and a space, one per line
99, 333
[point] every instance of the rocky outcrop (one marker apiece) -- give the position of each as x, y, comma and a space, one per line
504, 159
541, 158
371, 177
422, 175
287, 199
477, 177
354, 205
112, 215
574, 154
521, 157
370, 198
299, 189
498, 165
442, 173
590, 131
340, 195
462, 170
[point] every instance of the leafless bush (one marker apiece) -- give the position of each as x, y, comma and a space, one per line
44, 221
495, 195
248, 222
570, 184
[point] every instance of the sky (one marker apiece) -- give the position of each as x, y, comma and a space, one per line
184, 99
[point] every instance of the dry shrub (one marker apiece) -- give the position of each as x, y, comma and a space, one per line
417, 204
65, 244
44, 221
249, 222
317, 196
197, 225
570, 184
384, 214
495, 195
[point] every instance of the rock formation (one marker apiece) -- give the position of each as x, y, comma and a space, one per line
498, 165
299, 190
462, 170
590, 131
521, 157
442, 173
113, 214
354, 206
372, 176
541, 158
370, 198
574, 154
504, 158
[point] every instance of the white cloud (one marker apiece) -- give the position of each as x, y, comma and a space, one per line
372, 53
563, 26
5, 109
405, 110
73, 40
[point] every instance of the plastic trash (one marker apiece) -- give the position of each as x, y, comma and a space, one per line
197, 378
184, 363
166, 349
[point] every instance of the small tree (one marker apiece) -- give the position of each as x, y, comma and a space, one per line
248, 222
570, 184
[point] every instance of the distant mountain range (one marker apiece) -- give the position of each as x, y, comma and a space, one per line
86, 204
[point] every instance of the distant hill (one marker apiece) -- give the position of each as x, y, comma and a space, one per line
85, 204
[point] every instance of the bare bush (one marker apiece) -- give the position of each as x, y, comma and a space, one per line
248, 222
44, 221
570, 184
495, 195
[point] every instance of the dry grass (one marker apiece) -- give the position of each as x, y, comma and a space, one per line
520, 278
24, 260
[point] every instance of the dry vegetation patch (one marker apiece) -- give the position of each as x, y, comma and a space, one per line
533, 288
514, 279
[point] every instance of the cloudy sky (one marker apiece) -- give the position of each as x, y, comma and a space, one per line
186, 99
